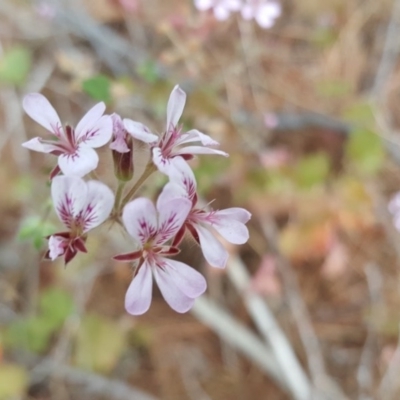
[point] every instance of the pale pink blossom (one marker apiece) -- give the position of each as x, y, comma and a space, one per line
173, 142
81, 206
394, 208
152, 227
74, 147
119, 135
202, 224
221, 8
265, 12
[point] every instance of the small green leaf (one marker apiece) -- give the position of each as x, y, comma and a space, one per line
312, 170
98, 88
100, 344
15, 65
55, 306
365, 150
34, 229
13, 381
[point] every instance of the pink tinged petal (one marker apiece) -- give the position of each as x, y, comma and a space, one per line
267, 14
176, 104
247, 12
233, 231
138, 296
236, 213
98, 205
163, 164
41, 111
56, 247
172, 215
233, 5
203, 5
69, 197
140, 219
199, 150
89, 120
212, 249
36, 144
173, 295
171, 190
99, 134
196, 136
183, 175
186, 279
119, 145
83, 161
221, 12
139, 131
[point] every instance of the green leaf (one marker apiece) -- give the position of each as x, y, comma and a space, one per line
312, 170
365, 150
32, 333
13, 381
98, 88
99, 344
34, 229
55, 306
15, 65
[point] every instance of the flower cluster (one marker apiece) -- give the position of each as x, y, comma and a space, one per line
264, 12
157, 230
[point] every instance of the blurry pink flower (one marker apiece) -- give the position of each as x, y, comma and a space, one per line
229, 223
275, 158
221, 8
46, 10
265, 281
169, 144
265, 12
151, 228
394, 208
81, 206
74, 147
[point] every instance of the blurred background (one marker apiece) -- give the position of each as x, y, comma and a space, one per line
308, 110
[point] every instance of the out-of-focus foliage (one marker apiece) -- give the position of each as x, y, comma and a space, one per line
15, 65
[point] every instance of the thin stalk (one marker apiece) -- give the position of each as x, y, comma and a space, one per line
118, 195
147, 172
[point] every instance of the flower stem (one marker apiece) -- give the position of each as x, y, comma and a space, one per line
118, 195
150, 168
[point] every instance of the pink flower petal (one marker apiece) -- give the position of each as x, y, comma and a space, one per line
138, 296
56, 247
83, 161
172, 215
247, 12
171, 190
176, 104
233, 231
139, 131
199, 150
221, 12
212, 249
196, 136
36, 144
163, 164
100, 133
203, 5
98, 206
41, 111
119, 143
88, 121
183, 175
237, 213
140, 219
176, 299
187, 279
69, 197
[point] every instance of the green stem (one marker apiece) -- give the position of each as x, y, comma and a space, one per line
147, 172
118, 195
